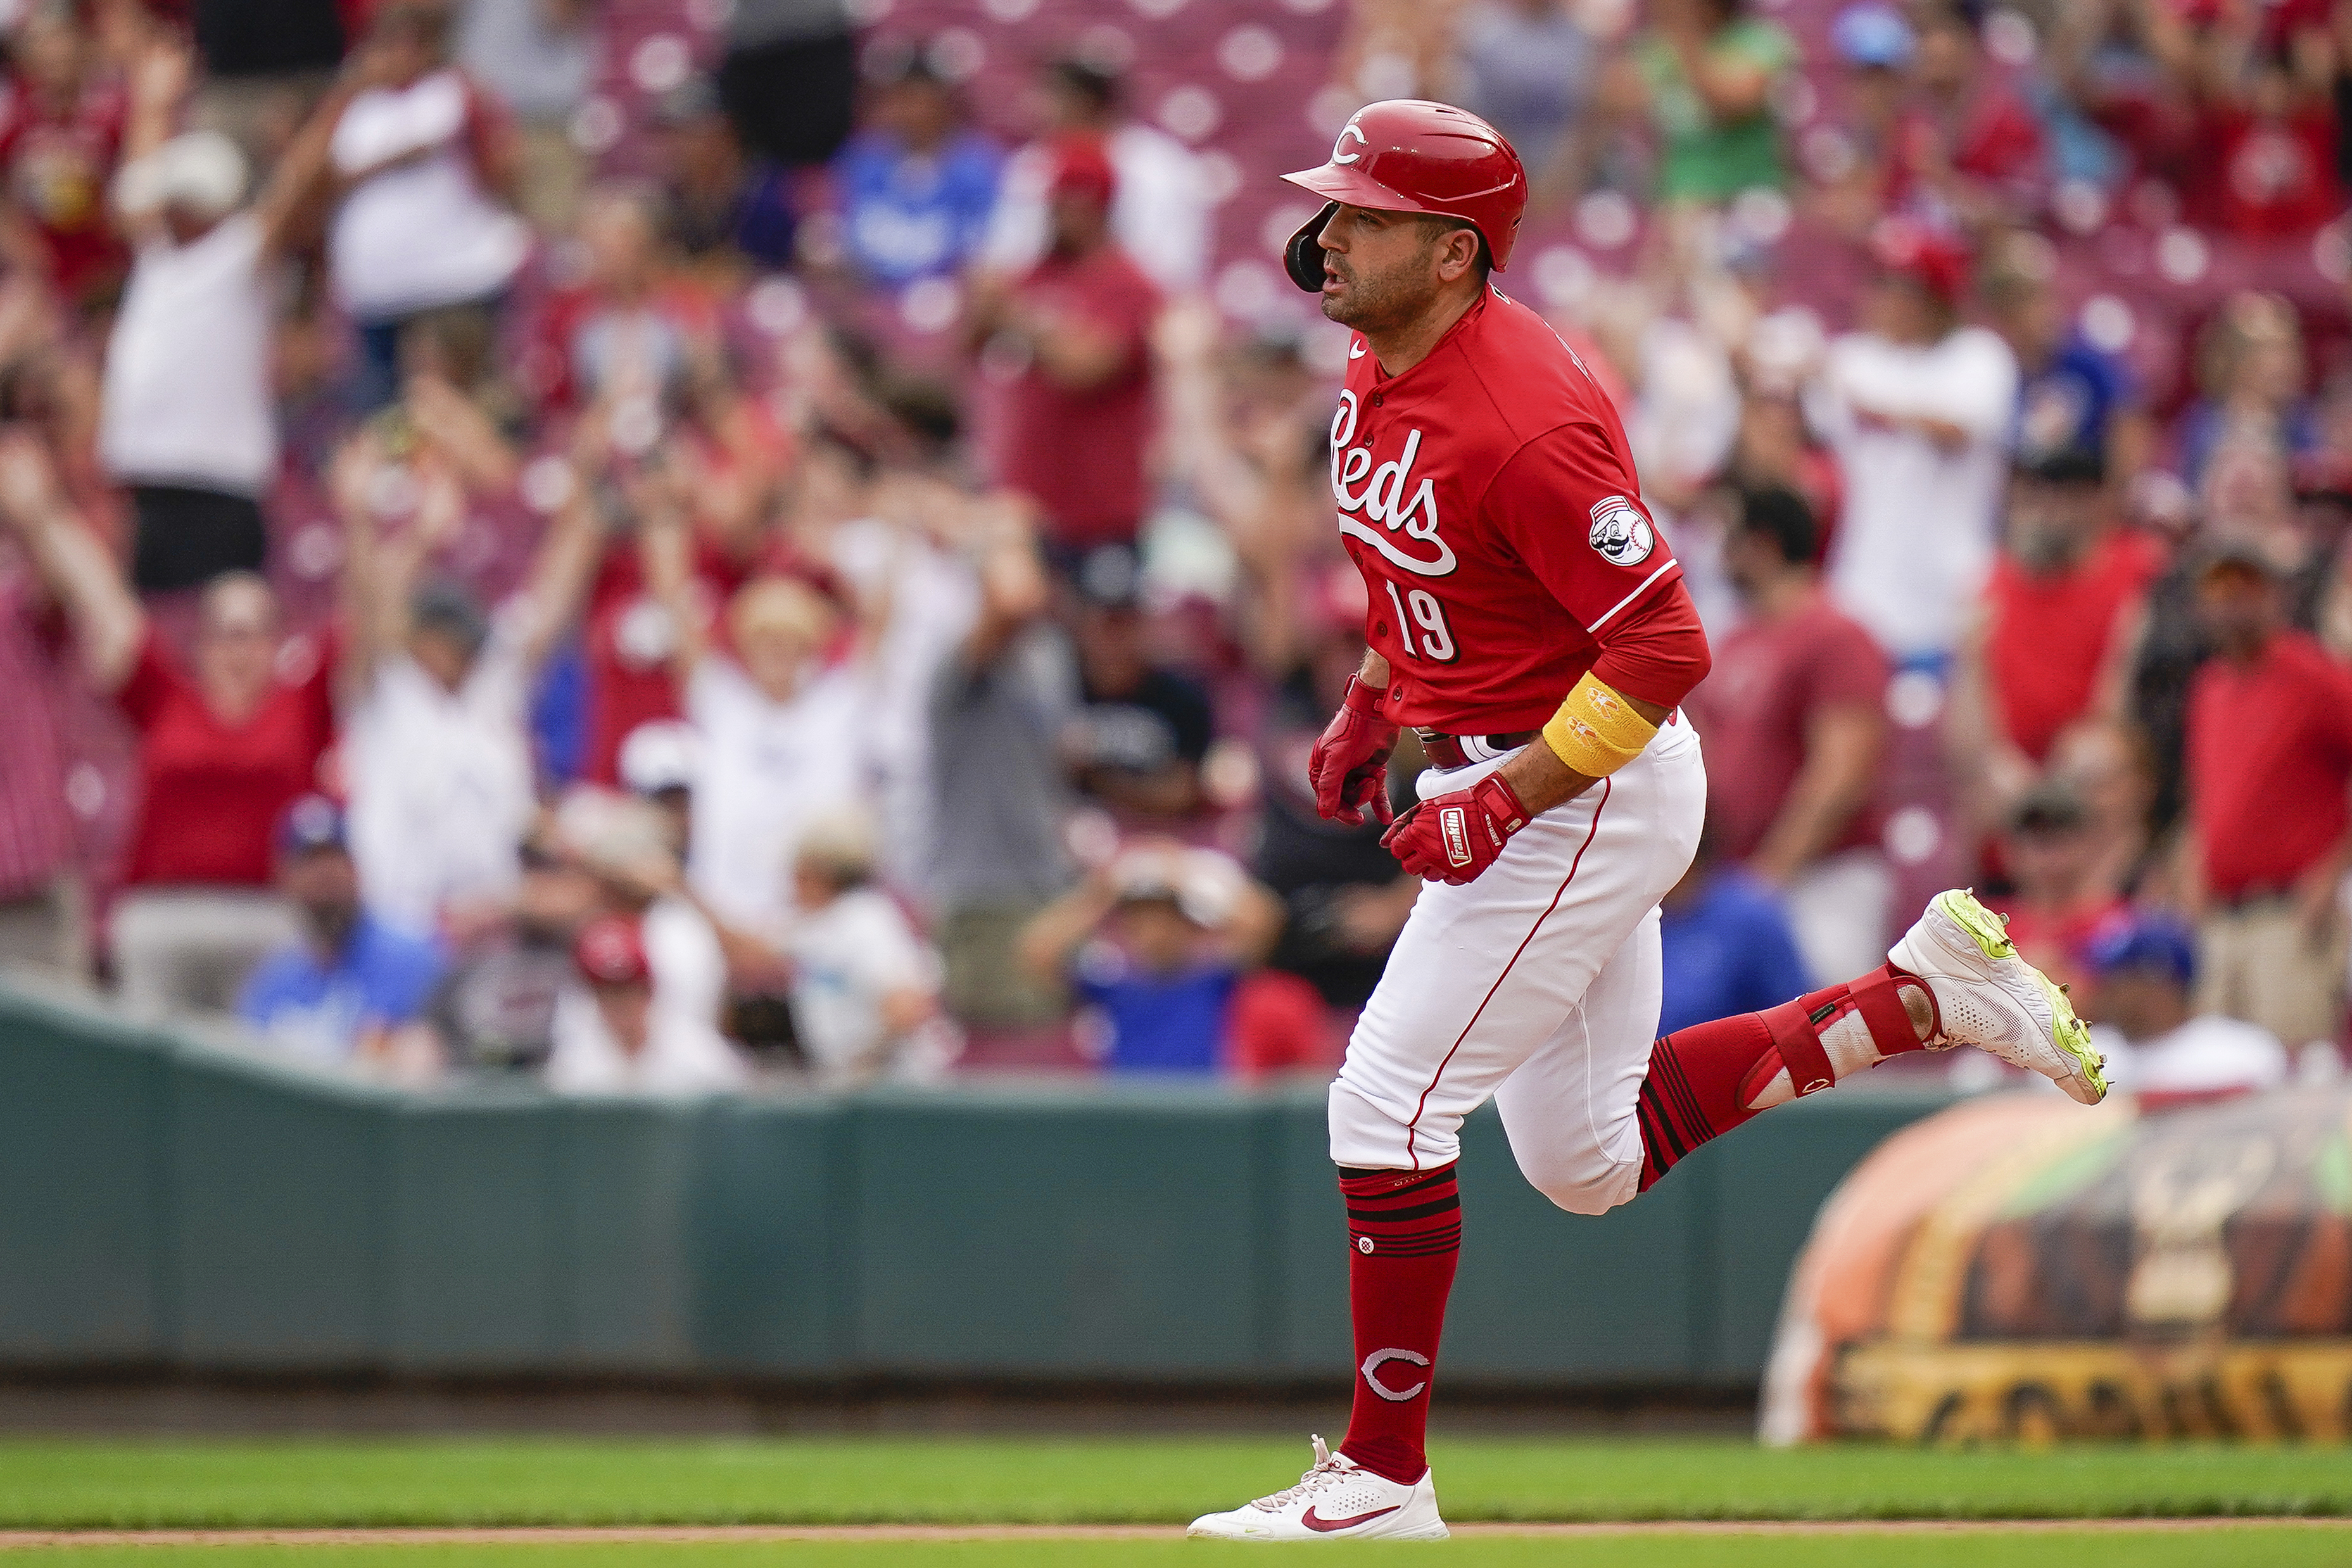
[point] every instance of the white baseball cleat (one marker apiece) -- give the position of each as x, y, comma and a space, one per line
1335, 1501
1989, 997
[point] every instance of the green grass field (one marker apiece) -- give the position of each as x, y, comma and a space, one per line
342, 1482
318, 1482
2249, 1546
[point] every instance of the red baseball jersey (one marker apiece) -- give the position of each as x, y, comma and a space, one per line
1489, 499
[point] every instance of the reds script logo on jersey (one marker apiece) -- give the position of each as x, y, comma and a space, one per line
1366, 495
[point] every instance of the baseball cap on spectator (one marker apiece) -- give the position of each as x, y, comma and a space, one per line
310, 823
2050, 806
1873, 37
610, 952
2232, 550
1110, 577
1081, 168
659, 757
1781, 515
447, 610
892, 62
2079, 464
691, 102
1095, 79
1936, 260
1203, 886
201, 173
2146, 940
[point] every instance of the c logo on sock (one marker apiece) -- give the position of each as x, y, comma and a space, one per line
1374, 1362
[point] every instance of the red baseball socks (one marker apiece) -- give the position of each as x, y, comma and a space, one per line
1404, 1233
1707, 1079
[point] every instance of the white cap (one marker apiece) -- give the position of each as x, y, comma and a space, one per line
659, 756
201, 173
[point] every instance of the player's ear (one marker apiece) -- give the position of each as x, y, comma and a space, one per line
1457, 254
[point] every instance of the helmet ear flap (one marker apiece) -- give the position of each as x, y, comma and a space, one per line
1303, 257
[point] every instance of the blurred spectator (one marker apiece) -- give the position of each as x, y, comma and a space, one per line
1917, 408
39, 888
917, 183
189, 421
998, 709
908, 568
612, 1036
1725, 944
2250, 378
2105, 763
722, 207
1794, 716
2266, 134
1078, 324
623, 845
658, 765
495, 1010
2072, 396
224, 746
352, 980
1344, 897
61, 133
1704, 72
2053, 641
1140, 738
1159, 194
866, 988
266, 64
1530, 69
2157, 1045
1154, 945
541, 58
1969, 150
790, 78
2269, 763
423, 166
1875, 45
436, 752
780, 727
2063, 893
630, 640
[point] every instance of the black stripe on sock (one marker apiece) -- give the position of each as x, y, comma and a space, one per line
1446, 1205
1657, 1129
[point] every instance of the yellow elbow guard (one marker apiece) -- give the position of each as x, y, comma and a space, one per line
1596, 731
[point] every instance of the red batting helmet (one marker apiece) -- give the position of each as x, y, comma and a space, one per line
1408, 155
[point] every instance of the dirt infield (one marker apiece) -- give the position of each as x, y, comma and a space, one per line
564, 1535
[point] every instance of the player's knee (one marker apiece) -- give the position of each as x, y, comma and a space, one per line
1363, 1135
1584, 1186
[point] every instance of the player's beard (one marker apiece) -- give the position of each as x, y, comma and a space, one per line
1384, 300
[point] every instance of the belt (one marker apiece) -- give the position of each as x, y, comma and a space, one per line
1461, 750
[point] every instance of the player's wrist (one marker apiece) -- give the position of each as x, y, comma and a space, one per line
1597, 730
1501, 802
1367, 699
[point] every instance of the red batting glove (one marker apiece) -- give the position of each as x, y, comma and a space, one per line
1454, 837
1349, 766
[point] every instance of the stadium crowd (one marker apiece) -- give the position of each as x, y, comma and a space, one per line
666, 545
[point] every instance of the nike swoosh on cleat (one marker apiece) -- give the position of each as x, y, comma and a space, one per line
1325, 1526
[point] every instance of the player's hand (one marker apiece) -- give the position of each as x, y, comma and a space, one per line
1454, 837
1349, 766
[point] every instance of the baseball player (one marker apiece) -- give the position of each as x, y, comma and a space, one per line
1529, 621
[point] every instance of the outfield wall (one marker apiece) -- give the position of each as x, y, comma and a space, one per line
169, 1202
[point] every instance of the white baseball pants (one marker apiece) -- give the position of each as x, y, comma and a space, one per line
1538, 983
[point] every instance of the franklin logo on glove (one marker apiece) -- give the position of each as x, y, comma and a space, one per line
1454, 823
